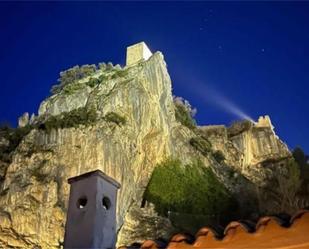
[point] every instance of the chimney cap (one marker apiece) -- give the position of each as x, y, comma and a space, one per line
94, 173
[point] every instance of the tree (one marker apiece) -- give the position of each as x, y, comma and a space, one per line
184, 113
301, 158
289, 185
192, 189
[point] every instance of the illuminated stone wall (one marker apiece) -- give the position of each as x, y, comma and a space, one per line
137, 53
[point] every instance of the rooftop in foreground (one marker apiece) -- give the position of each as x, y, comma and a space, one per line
269, 232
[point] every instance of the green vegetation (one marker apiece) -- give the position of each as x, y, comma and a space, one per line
192, 189
103, 78
14, 137
93, 82
303, 164
289, 184
109, 66
120, 73
76, 73
74, 118
239, 127
302, 160
102, 66
201, 144
184, 112
115, 118
72, 88
219, 156
68, 80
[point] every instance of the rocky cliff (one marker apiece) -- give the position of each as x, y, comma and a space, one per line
121, 121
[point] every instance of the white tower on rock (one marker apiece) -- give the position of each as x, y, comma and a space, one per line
137, 53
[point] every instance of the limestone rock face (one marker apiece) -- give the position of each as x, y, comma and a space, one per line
35, 193
34, 189
247, 146
142, 222
254, 151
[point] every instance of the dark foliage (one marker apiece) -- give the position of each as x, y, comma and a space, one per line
192, 189
93, 82
219, 156
115, 118
74, 118
184, 113
14, 137
239, 127
201, 144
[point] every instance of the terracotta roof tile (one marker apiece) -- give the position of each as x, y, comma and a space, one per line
271, 232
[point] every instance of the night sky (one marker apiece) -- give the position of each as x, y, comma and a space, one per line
249, 56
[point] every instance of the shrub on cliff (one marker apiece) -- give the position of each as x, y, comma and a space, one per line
14, 137
93, 82
219, 156
184, 112
115, 118
192, 189
239, 127
302, 159
71, 75
289, 185
201, 144
74, 118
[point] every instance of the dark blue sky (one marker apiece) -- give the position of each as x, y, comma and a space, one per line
254, 55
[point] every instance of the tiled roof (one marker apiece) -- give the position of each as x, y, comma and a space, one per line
268, 233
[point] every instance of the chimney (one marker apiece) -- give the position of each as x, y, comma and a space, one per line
91, 217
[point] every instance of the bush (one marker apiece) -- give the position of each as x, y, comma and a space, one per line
301, 158
93, 82
239, 127
109, 66
72, 75
103, 77
120, 73
219, 156
87, 70
74, 118
201, 144
14, 136
184, 112
102, 66
115, 118
71, 88
192, 189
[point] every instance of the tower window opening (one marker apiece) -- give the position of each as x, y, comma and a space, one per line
106, 203
82, 202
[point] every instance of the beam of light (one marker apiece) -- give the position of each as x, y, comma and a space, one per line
209, 95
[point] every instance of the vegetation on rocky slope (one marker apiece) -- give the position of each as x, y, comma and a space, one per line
69, 78
74, 118
239, 127
115, 118
302, 161
184, 112
201, 144
13, 136
191, 189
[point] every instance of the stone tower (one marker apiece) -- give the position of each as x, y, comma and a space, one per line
264, 121
91, 217
137, 53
